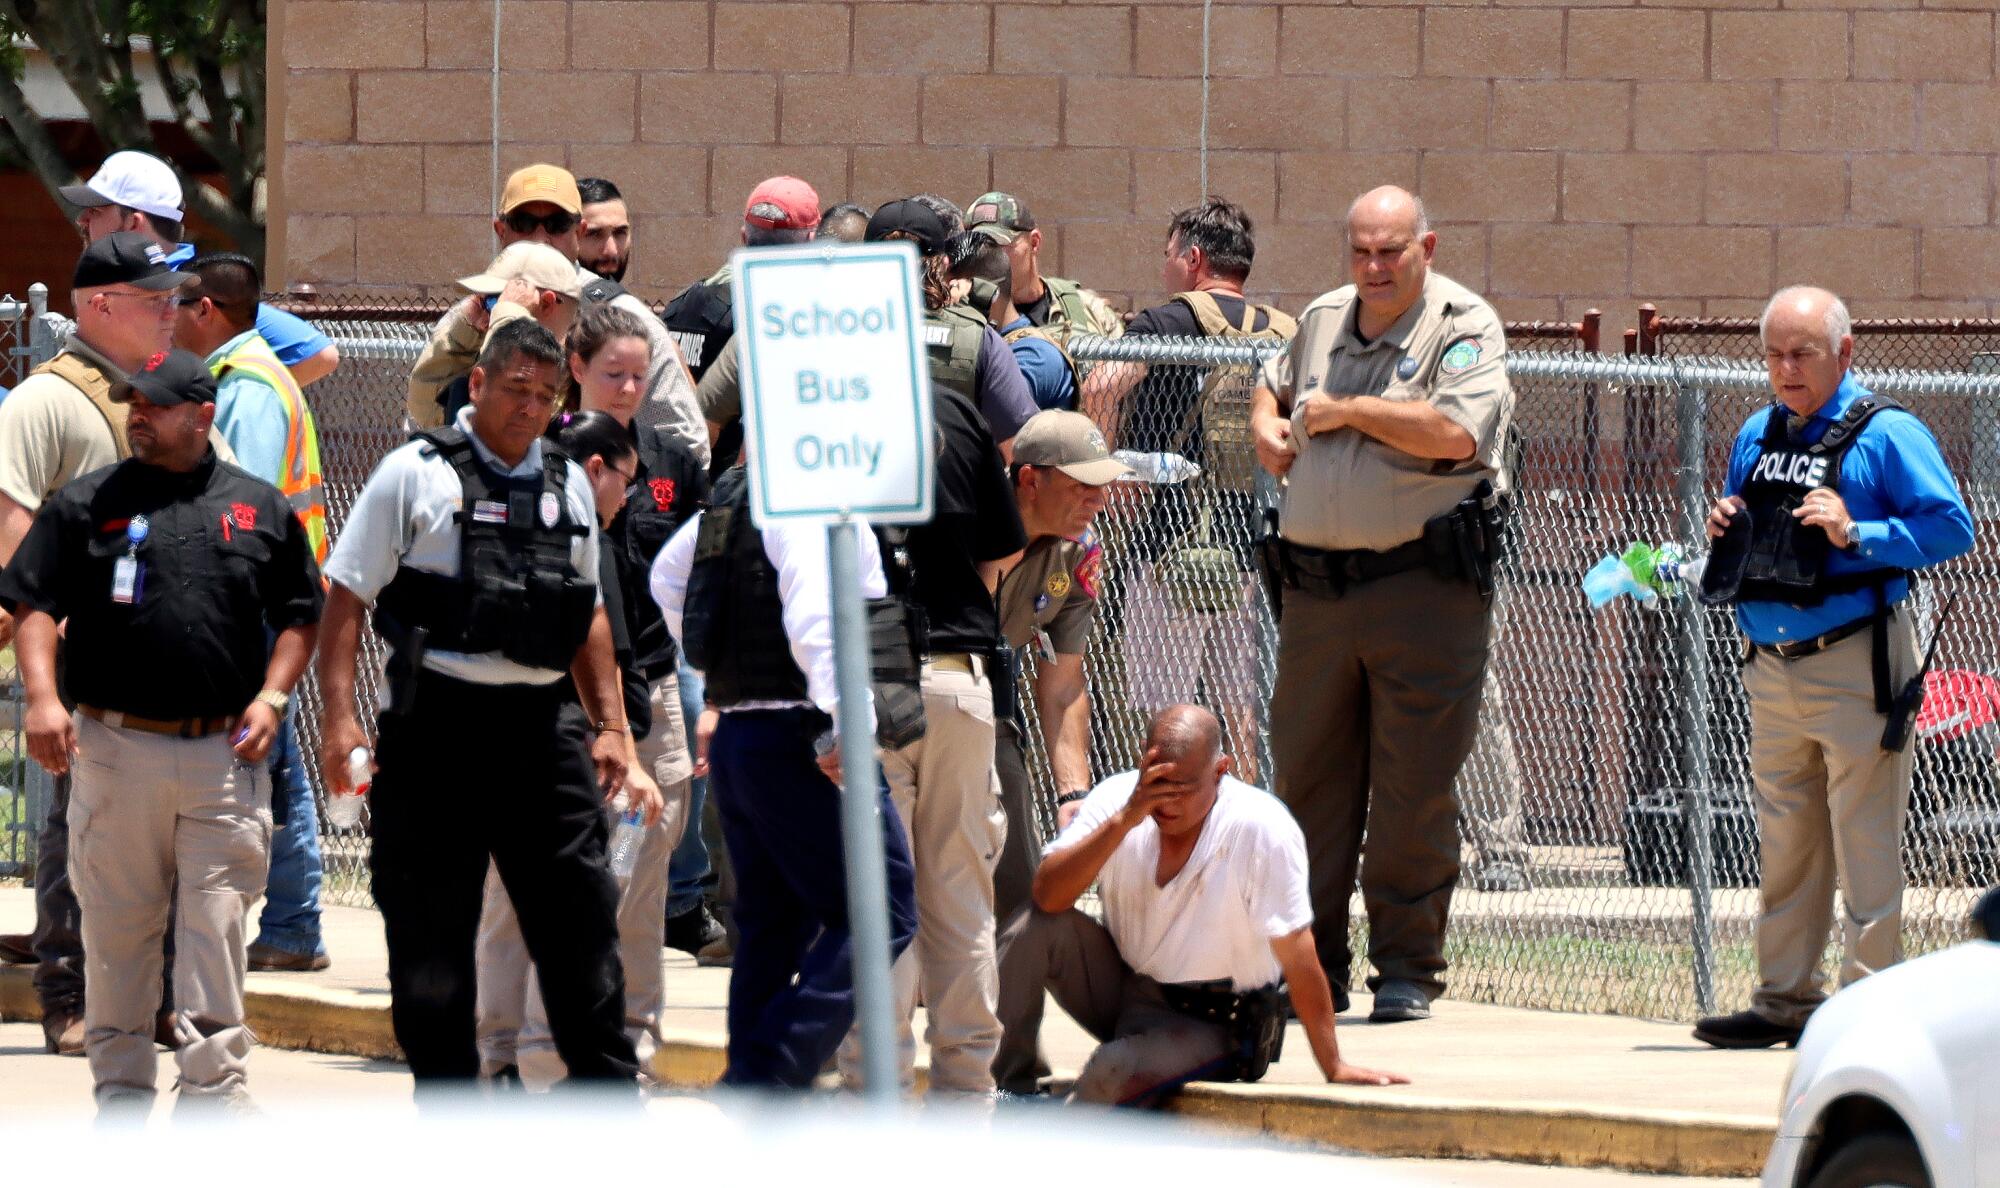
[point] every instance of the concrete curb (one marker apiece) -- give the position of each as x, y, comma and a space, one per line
1663, 1141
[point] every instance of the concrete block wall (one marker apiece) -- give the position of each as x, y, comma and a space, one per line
1590, 153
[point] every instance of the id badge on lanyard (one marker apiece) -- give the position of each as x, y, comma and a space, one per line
128, 573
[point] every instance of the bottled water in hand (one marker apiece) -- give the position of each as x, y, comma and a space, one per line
626, 837
1158, 467
1645, 573
343, 809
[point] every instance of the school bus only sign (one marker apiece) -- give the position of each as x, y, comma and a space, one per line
836, 389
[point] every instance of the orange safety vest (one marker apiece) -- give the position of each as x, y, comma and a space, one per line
301, 481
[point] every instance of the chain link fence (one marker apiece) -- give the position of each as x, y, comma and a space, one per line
1594, 725
26, 339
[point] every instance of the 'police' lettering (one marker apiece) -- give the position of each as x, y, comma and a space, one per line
1804, 470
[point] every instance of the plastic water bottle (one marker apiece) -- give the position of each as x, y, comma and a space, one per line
1157, 467
625, 839
343, 809
1645, 573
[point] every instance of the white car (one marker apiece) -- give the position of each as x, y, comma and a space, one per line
1897, 1080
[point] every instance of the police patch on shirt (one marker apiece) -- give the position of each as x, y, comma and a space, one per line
1460, 356
551, 508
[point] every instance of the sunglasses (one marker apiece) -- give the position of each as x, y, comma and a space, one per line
556, 222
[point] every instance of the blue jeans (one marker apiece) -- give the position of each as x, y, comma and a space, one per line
688, 870
291, 899
791, 990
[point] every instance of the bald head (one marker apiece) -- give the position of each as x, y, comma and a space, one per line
1804, 307
1182, 732
1808, 344
1389, 208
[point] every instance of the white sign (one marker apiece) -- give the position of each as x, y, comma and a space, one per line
836, 388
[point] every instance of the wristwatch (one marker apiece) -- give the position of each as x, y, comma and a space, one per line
1071, 796
278, 702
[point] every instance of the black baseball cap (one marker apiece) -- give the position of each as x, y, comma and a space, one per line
127, 258
912, 218
169, 377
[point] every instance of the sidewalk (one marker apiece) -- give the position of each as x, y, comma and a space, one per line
1486, 1082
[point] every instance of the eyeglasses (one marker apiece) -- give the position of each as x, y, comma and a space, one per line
556, 222
184, 302
630, 476
158, 301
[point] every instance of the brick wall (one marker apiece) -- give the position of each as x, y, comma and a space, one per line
1693, 152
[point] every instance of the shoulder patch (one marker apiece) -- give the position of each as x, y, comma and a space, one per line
1460, 355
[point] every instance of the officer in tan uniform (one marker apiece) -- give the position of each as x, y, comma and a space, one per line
1385, 418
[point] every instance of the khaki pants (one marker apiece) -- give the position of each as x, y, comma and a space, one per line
945, 789
153, 819
1375, 710
1830, 805
1148, 1049
513, 1025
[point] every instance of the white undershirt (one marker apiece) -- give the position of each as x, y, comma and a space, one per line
1243, 887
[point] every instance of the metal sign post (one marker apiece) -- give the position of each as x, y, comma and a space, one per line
838, 429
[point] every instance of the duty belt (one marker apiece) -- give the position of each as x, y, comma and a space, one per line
1334, 571
1799, 649
171, 727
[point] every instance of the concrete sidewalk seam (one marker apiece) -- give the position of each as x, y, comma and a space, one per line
1663, 1141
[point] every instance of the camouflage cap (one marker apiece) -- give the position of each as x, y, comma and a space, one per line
999, 216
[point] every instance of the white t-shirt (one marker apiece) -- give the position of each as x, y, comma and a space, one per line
1244, 886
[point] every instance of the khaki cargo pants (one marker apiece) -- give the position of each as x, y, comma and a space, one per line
1830, 806
155, 819
513, 1022
945, 789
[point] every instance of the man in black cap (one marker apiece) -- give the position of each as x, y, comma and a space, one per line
60, 423
169, 569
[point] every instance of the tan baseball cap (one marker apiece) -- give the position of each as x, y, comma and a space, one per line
537, 263
1069, 442
541, 183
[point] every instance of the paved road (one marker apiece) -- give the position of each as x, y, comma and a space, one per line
294, 1087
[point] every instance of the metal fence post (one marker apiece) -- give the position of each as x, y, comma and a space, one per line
861, 823
1691, 475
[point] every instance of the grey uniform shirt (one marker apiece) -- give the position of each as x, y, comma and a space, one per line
405, 515
1346, 490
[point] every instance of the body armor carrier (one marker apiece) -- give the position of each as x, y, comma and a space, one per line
733, 629
517, 592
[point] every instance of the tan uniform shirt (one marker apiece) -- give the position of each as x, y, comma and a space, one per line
52, 432
1054, 590
1347, 490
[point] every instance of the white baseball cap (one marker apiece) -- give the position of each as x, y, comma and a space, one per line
134, 179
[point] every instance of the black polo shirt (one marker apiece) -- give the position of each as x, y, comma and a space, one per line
667, 489
976, 520
224, 561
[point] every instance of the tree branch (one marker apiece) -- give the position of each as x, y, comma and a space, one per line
27, 131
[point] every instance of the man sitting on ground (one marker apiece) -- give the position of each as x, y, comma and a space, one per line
1207, 921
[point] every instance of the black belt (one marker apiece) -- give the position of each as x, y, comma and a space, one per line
1335, 570
1799, 649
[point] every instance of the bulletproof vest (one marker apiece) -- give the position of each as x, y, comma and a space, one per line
1069, 313
642, 528
517, 592
86, 378
1786, 559
733, 624
952, 337
702, 318
1219, 417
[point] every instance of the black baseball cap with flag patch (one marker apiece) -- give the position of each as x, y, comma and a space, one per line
169, 377
127, 258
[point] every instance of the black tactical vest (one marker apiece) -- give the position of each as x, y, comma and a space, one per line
733, 629
733, 625
517, 592
1787, 561
702, 318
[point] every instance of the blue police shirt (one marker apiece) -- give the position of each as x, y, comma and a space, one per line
1907, 512
292, 338
1042, 362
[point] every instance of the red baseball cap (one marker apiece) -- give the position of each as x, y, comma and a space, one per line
782, 204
